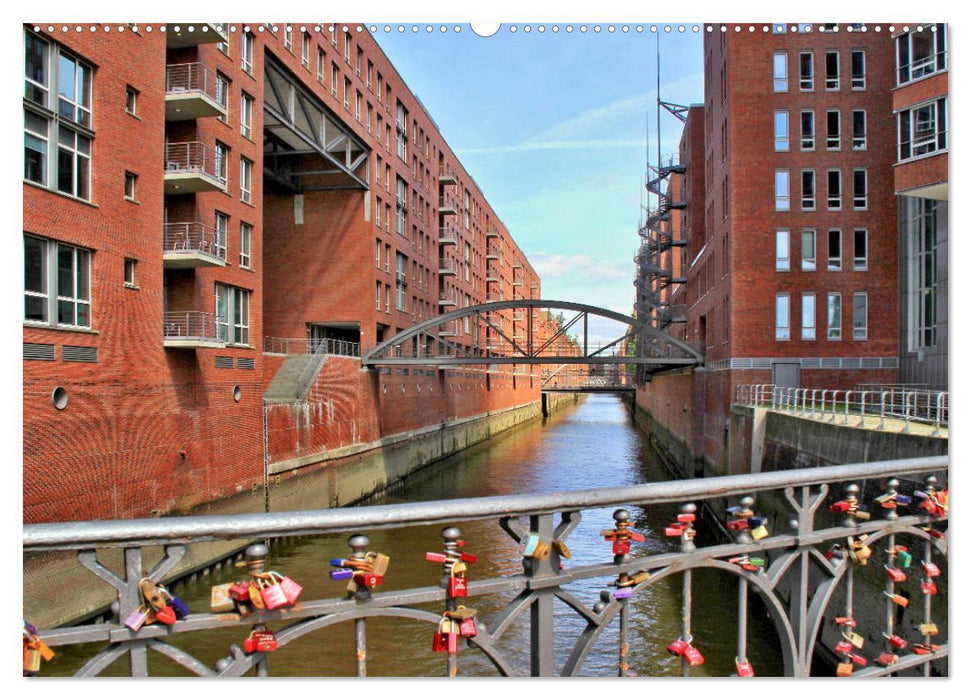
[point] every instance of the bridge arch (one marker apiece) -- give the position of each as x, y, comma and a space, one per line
516, 331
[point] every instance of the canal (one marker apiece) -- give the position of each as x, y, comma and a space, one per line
593, 443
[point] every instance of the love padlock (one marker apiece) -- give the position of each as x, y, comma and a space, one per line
927, 629
896, 575
843, 647
930, 568
928, 587
458, 587
136, 619
693, 656
902, 558
260, 640
898, 599
887, 659
896, 641
844, 669
467, 627
678, 647
744, 668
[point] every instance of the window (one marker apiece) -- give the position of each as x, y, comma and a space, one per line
347, 94
921, 272
782, 190
370, 72
859, 188
377, 296
357, 105
782, 317
782, 130
288, 38
246, 180
833, 129
219, 158
782, 250
834, 190
859, 129
922, 129
832, 70
57, 283
401, 204
232, 314
68, 167
357, 61
130, 179
806, 70
401, 282
222, 232
809, 250
223, 45
245, 245
321, 63
858, 70
305, 50
130, 264
347, 48
367, 122
246, 61
334, 76
808, 316
780, 72
378, 206
921, 53
834, 259
377, 253
859, 315
401, 133
834, 316
131, 100
380, 87
222, 94
859, 249
333, 35
808, 131
808, 189
246, 115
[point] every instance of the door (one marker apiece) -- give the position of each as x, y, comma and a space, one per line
785, 374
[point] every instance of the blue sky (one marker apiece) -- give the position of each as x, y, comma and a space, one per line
552, 127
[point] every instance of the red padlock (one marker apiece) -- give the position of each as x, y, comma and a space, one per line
291, 589
887, 659
165, 615
439, 642
737, 524
693, 656
744, 668
930, 568
367, 578
452, 640
677, 647
844, 647
897, 642
840, 507
260, 641
928, 587
273, 595
621, 546
674, 530
458, 586
467, 627
240, 591
686, 517
858, 660
896, 575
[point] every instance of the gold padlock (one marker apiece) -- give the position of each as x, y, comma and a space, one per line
844, 669
379, 562
856, 640
458, 568
928, 629
561, 548
31, 659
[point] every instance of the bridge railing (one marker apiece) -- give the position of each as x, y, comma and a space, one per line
806, 564
854, 406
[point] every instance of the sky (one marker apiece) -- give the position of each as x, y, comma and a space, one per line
553, 128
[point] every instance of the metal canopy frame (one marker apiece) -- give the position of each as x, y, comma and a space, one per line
530, 349
297, 124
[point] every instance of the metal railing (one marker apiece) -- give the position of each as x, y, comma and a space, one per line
447, 203
194, 157
853, 406
808, 571
189, 325
447, 234
193, 237
446, 266
309, 346
193, 77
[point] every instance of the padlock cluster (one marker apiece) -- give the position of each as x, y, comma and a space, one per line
156, 604
457, 620
684, 649
363, 574
621, 535
743, 521
34, 650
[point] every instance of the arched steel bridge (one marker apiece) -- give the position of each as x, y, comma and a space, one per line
526, 331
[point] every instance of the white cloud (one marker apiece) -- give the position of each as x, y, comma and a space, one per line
581, 268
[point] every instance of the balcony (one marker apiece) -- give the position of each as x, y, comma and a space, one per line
189, 244
492, 233
190, 93
493, 252
448, 297
518, 316
448, 329
193, 167
182, 35
447, 236
447, 176
447, 267
190, 329
447, 206
494, 296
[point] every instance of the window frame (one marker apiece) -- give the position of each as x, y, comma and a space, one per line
860, 200
834, 303
812, 198
245, 245
937, 61
130, 192
781, 135
129, 273
804, 78
857, 82
783, 332
808, 332
233, 328
803, 137
839, 131
861, 262
860, 332
831, 84
830, 197
246, 103
131, 100
780, 198
782, 250
246, 52
780, 79
245, 179
807, 264
834, 263
938, 139
857, 141
53, 295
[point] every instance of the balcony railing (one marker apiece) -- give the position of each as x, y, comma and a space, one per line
493, 252
185, 34
447, 236
192, 91
902, 409
446, 266
193, 167
309, 346
447, 176
190, 329
448, 298
192, 244
447, 205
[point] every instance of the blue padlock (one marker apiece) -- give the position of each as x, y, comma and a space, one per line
341, 574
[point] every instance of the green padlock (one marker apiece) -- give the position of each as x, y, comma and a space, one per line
903, 557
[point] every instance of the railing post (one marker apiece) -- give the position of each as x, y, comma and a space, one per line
541, 631
937, 418
883, 408
862, 408
907, 395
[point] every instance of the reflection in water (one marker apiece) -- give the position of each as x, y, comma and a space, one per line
592, 444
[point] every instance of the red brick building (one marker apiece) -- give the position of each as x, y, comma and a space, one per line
301, 193
920, 175
792, 243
